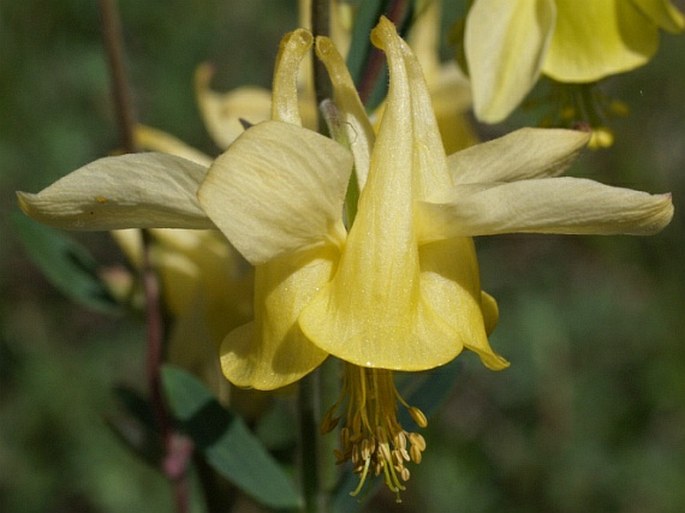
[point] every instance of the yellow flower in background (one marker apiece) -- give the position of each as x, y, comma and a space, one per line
222, 112
206, 287
205, 284
394, 287
449, 89
509, 43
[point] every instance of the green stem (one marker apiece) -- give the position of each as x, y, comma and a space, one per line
329, 392
321, 21
316, 456
308, 412
397, 12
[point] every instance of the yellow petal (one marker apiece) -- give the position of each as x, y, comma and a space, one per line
547, 205
390, 305
151, 139
357, 125
593, 39
141, 190
490, 311
271, 352
293, 49
277, 189
455, 296
222, 113
524, 153
505, 43
663, 13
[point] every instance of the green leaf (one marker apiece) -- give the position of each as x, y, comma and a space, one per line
137, 406
66, 264
226, 442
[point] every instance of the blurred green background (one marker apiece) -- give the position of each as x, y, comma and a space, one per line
589, 418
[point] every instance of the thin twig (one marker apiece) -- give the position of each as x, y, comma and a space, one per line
311, 459
178, 448
321, 22
395, 11
307, 407
121, 92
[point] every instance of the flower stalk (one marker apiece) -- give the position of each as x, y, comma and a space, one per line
317, 469
395, 11
121, 91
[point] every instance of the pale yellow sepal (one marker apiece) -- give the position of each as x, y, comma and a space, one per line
278, 188
138, 190
547, 205
505, 43
222, 112
524, 153
271, 351
392, 304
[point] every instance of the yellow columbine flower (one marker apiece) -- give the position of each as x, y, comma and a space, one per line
508, 43
398, 287
400, 290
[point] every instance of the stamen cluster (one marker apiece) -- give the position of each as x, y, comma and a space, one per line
372, 438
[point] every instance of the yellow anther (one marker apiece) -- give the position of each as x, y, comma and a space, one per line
415, 454
372, 438
417, 440
418, 416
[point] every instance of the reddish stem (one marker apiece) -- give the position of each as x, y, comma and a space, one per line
178, 448
395, 11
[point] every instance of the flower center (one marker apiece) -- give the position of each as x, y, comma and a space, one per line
372, 437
